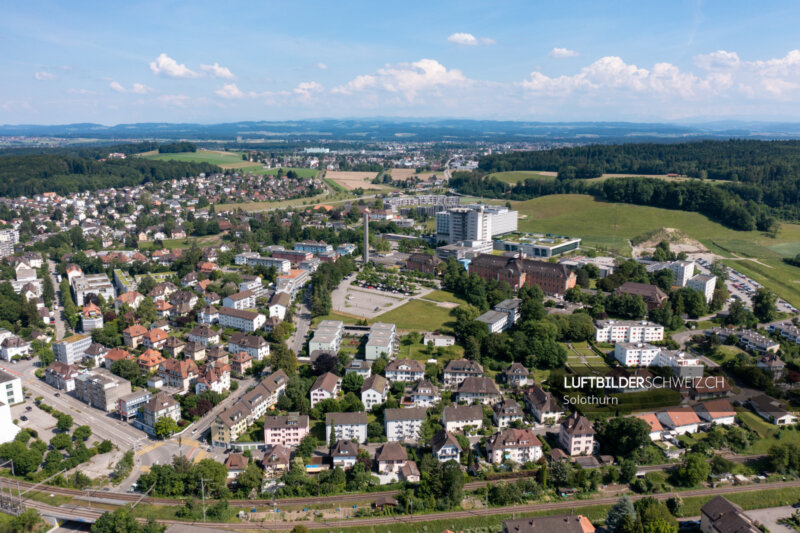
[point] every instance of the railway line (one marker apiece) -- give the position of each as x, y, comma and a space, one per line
311, 500
90, 515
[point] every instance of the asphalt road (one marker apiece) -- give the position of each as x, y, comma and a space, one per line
58, 312
302, 323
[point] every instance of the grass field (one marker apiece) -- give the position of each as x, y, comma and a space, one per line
215, 157
420, 352
611, 226
769, 433
418, 315
521, 175
443, 296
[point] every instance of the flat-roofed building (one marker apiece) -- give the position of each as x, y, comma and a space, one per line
71, 350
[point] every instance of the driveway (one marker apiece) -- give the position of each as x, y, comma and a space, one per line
769, 517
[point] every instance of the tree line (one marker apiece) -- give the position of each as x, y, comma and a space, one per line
64, 174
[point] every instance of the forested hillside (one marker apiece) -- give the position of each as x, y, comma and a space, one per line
65, 173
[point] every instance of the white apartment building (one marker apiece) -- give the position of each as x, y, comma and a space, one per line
10, 388
374, 391
705, 284
682, 271
515, 445
458, 417
382, 340
241, 320
326, 387
404, 370
97, 284
404, 424
327, 337
628, 331
346, 426
635, 353
240, 300
71, 350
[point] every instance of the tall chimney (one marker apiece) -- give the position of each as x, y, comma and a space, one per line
366, 236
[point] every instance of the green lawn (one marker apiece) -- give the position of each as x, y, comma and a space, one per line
334, 316
517, 176
418, 315
770, 434
612, 226
420, 352
443, 296
726, 353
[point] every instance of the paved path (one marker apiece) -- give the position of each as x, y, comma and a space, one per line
58, 311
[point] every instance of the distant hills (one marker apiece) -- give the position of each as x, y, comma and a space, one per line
380, 129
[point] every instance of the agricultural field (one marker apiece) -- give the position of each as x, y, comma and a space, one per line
215, 157
418, 315
521, 175
402, 174
353, 180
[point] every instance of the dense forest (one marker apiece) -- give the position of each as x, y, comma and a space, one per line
64, 173
177, 147
734, 160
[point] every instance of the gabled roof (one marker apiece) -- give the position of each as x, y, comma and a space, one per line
575, 424
326, 381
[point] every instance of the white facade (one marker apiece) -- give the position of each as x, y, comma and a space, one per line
404, 424
71, 350
474, 223
635, 354
10, 388
705, 284
628, 331
682, 271
241, 320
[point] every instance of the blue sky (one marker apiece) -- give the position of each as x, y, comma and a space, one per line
115, 62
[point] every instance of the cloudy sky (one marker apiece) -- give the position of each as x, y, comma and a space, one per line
196, 61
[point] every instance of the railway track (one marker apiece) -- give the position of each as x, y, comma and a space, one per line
266, 525
311, 500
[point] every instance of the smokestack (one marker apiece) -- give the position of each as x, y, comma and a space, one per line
366, 236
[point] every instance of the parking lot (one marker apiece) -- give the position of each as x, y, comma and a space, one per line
366, 302
739, 285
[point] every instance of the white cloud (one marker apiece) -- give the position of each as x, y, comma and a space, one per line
322, 66
229, 91
467, 39
305, 89
717, 60
612, 73
136, 88
562, 53
45, 76
164, 65
174, 100
217, 71
406, 78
